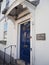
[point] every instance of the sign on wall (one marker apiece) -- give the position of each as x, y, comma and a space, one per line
41, 36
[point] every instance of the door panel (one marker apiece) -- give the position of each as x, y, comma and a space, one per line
25, 41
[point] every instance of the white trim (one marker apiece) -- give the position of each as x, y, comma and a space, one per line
23, 19
19, 37
17, 28
18, 42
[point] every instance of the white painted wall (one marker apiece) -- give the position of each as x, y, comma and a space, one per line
42, 26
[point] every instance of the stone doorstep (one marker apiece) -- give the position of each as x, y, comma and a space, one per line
20, 62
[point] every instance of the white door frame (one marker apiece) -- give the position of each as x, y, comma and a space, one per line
19, 34
32, 34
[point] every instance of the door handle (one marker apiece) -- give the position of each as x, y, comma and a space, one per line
30, 49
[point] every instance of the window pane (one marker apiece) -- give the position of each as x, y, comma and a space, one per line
5, 26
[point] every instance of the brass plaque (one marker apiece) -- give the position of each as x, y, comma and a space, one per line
41, 36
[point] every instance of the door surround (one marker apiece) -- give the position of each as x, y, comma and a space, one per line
32, 33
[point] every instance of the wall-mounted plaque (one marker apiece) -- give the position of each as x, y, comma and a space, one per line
41, 36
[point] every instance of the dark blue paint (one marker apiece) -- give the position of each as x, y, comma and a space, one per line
25, 41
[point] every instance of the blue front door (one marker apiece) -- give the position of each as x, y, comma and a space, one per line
25, 42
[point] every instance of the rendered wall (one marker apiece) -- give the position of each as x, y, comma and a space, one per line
42, 26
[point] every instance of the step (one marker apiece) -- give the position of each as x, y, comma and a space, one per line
20, 62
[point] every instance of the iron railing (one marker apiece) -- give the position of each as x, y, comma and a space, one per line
4, 62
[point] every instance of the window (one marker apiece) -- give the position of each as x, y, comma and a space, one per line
5, 30
5, 26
